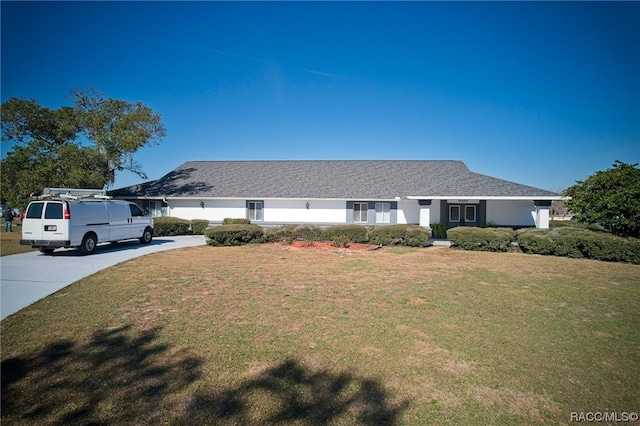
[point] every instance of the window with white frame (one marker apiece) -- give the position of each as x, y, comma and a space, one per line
383, 213
255, 210
360, 212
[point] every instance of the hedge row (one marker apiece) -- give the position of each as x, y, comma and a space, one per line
235, 221
198, 226
580, 243
347, 233
234, 235
341, 235
172, 226
483, 239
568, 241
291, 233
410, 235
407, 235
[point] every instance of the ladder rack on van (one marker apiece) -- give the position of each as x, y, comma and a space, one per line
74, 194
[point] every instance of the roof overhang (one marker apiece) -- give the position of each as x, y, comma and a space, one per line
495, 197
460, 198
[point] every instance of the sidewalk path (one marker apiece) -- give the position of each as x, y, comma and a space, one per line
28, 277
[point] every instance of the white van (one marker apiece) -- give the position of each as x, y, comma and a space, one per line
82, 218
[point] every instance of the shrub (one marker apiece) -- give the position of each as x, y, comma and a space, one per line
439, 230
235, 221
417, 237
574, 224
198, 226
483, 239
234, 235
388, 235
579, 242
292, 233
564, 223
354, 233
170, 226
409, 235
340, 241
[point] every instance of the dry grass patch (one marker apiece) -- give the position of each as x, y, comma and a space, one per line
261, 334
10, 241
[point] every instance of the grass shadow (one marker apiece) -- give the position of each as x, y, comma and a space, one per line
124, 376
290, 393
115, 378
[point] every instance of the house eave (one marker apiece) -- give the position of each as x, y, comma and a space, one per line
398, 198
490, 197
256, 197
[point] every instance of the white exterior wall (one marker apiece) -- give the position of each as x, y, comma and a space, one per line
290, 211
278, 211
511, 212
408, 212
501, 212
295, 211
214, 210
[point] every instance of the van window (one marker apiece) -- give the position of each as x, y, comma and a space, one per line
135, 210
34, 211
53, 211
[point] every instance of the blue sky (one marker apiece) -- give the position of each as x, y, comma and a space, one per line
539, 93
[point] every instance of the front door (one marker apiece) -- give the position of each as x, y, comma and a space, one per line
463, 215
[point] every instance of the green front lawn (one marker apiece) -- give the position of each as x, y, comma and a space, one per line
265, 334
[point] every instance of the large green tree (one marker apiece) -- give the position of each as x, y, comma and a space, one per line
79, 146
610, 198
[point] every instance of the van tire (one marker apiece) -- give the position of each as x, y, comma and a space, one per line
46, 250
89, 243
147, 236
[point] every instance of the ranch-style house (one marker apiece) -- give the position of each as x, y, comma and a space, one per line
330, 192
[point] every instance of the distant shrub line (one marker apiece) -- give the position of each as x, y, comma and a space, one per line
172, 226
560, 240
340, 235
566, 239
580, 243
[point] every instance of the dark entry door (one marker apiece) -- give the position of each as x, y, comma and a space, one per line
462, 215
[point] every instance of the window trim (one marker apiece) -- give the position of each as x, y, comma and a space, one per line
386, 216
255, 210
361, 211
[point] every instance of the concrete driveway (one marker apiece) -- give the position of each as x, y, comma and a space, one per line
28, 277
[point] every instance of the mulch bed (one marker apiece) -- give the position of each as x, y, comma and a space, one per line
327, 245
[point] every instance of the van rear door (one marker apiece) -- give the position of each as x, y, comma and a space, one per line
44, 221
32, 222
54, 226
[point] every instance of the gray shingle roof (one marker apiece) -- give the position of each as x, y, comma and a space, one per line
341, 179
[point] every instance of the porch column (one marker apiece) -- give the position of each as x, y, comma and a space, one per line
542, 213
425, 213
